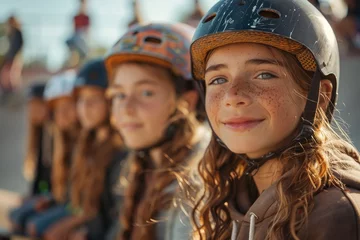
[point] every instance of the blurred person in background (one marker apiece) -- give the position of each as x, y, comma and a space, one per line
38, 155
11, 65
96, 166
349, 27
78, 42
194, 18
36, 214
136, 14
154, 108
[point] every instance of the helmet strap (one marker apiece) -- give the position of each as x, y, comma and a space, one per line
168, 136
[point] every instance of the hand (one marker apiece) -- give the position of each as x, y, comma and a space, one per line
79, 234
59, 230
42, 204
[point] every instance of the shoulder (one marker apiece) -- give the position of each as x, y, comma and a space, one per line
334, 215
178, 224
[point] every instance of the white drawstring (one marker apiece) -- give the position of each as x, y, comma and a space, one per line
253, 218
234, 230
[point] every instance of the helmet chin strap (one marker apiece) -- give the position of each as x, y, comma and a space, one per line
305, 130
168, 136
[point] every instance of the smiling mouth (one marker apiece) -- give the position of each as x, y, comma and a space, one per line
130, 126
242, 125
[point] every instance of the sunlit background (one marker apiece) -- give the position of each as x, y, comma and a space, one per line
46, 24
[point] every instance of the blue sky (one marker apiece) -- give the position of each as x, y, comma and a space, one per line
47, 23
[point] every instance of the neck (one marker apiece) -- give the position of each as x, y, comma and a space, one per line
156, 156
102, 134
267, 174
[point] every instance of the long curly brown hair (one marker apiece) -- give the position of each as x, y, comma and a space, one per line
309, 165
32, 151
94, 153
33, 148
88, 172
148, 190
63, 146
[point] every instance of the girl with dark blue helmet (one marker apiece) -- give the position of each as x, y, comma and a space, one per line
275, 168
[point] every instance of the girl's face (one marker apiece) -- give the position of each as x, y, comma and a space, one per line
143, 100
252, 101
37, 111
92, 107
65, 113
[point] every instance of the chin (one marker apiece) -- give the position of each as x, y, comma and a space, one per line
88, 126
134, 143
239, 147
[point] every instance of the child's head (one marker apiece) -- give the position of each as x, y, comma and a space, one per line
151, 82
153, 107
90, 86
58, 94
255, 101
261, 83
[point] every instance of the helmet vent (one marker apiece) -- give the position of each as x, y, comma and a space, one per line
154, 40
269, 13
135, 33
209, 17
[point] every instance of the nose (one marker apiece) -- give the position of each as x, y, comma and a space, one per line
238, 95
124, 106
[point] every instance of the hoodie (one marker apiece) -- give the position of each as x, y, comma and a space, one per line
335, 215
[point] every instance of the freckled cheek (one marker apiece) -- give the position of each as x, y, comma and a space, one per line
213, 106
275, 102
280, 107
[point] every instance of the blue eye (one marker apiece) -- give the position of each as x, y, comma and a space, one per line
266, 75
120, 96
147, 93
218, 81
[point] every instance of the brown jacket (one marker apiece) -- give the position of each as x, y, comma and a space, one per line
335, 216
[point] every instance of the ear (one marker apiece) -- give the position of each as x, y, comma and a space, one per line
326, 88
190, 100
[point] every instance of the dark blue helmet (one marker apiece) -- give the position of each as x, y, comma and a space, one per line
93, 73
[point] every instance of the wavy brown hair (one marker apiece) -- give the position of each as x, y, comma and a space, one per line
33, 147
149, 189
309, 164
63, 145
32, 151
91, 162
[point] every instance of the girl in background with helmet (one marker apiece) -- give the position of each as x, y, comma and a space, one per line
63, 132
35, 169
58, 94
96, 164
37, 118
154, 108
275, 168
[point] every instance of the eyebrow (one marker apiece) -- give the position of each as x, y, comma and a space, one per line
257, 61
141, 82
215, 67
